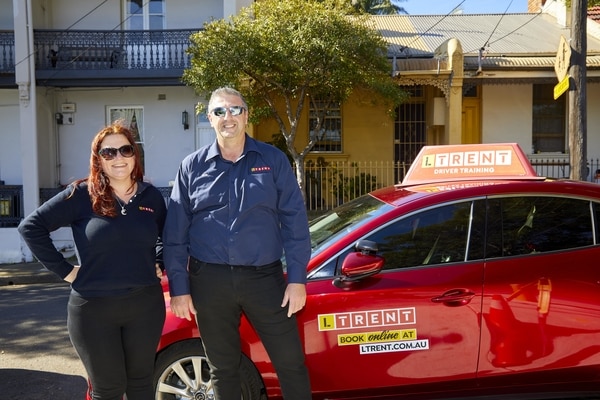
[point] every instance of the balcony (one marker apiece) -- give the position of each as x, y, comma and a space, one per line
102, 58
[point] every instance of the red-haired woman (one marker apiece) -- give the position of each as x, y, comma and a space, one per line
116, 308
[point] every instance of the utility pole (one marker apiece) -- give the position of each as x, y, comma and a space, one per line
578, 91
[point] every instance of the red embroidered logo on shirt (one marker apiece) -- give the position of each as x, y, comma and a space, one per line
142, 208
260, 169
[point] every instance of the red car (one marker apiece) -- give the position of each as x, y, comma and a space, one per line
474, 277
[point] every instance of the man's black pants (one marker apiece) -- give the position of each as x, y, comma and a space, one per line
220, 294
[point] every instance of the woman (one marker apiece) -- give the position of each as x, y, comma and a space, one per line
116, 309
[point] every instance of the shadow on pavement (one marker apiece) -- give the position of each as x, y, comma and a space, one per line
19, 384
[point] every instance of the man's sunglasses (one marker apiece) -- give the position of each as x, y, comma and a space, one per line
109, 153
222, 111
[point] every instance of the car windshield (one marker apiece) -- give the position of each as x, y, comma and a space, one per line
344, 219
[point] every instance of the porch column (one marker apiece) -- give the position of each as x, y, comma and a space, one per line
456, 64
25, 80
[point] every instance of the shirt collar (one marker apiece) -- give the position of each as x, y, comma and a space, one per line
249, 145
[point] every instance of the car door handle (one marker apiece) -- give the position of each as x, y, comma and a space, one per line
455, 297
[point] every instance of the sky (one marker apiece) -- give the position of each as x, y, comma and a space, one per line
443, 7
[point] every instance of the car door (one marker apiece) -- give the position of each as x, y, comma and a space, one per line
416, 322
540, 302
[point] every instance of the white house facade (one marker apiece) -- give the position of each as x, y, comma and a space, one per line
67, 68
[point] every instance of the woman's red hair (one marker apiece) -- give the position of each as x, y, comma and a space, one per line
101, 193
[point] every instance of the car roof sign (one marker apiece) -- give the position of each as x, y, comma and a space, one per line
451, 163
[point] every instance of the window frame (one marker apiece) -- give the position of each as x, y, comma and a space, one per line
548, 120
148, 16
331, 113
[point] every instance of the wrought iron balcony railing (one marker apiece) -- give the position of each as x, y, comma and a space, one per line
112, 49
7, 52
82, 54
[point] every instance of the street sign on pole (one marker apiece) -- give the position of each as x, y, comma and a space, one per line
561, 87
563, 59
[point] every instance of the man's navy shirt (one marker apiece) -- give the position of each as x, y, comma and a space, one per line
244, 213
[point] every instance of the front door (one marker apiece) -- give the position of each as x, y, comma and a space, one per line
471, 116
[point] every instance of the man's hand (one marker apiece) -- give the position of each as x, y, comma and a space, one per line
159, 272
294, 297
73, 274
182, 306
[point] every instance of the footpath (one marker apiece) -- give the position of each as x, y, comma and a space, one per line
26, 273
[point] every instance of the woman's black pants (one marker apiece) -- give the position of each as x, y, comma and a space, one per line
116, 339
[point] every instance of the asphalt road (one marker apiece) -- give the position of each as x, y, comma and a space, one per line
37, 361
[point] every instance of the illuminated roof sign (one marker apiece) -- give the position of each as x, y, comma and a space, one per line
496, 161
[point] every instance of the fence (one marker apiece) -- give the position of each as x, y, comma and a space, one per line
327, 184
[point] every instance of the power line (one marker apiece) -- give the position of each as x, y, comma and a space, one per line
509, 33
68, 28
432, 26
497, 24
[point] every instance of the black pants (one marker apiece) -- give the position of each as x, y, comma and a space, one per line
220, 294
116, 339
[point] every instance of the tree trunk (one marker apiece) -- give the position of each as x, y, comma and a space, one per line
300, 175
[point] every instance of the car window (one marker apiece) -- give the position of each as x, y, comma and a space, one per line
477, 242
344, 219
516, 225
434, 236
534, 224
338, 222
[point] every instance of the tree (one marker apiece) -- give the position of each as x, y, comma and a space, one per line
378, 7
590, 3
283, 54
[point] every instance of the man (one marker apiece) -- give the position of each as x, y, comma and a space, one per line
235, 209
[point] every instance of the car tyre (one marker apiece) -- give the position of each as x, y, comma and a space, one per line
182, 373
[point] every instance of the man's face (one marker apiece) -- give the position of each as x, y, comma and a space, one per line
228, 126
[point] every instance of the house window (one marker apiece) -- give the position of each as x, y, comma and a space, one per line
145, 15
325, 121
549, 120
410, 128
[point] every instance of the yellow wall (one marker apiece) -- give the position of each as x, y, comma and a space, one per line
367, 131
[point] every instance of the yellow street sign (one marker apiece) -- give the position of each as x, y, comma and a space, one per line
561, 87
563, 59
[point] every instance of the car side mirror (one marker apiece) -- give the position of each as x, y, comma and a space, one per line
360, 264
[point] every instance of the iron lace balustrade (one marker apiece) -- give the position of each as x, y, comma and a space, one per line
78, 57
7, 52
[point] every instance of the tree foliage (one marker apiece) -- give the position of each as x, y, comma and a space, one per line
590, 3
290, 53
378, 7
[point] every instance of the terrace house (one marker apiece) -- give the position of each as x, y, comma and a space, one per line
67, 68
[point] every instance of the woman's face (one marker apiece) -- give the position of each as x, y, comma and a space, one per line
120, 167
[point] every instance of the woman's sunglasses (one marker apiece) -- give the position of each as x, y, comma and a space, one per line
109, 153
233, 110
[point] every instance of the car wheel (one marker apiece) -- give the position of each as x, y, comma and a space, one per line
182, 373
